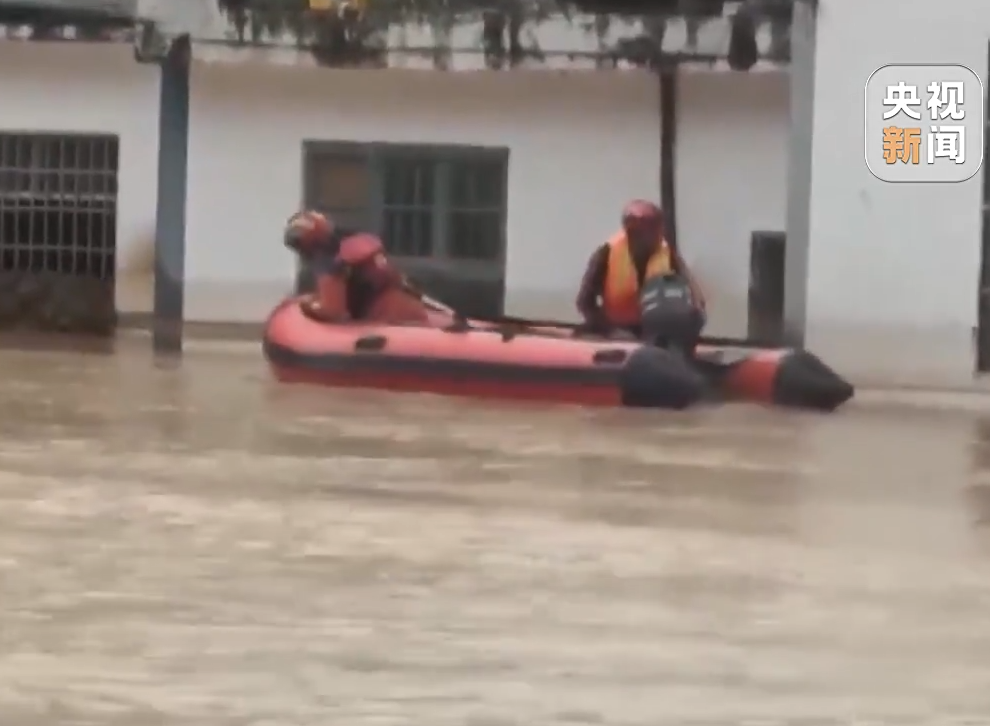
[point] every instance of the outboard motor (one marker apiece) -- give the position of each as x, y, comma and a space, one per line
669, 317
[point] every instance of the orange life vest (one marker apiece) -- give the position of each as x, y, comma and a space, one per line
621, 293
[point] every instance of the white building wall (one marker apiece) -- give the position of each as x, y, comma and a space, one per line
731, 181
894, 267
581, 145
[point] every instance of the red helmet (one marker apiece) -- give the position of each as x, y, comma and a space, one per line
639, 213
307, 230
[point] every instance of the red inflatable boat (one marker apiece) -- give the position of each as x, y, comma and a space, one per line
514, 359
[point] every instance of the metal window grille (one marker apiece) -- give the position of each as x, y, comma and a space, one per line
440, 209
437, 203
408, 206
58, 204
477, 205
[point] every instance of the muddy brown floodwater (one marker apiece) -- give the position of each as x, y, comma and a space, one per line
201, 546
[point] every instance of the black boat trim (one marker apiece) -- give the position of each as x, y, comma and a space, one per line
647, 377
446, 368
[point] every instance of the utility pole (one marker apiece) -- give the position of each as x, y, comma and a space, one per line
174, 58
799, 170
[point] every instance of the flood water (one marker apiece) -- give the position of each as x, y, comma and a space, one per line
201, 546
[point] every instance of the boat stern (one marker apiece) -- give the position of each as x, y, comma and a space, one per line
802, 380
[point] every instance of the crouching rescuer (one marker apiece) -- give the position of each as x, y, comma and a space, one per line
354, 278
638, 283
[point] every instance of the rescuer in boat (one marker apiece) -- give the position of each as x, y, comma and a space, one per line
354, 279
610, 296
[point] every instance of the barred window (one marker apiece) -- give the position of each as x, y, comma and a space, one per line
440, 209
58, 203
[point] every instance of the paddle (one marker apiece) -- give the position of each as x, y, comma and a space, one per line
459, 324
439, 306
715, 341
509, 320
429, 301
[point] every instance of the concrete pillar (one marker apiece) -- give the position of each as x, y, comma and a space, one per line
170, 223
802, 99
669, 92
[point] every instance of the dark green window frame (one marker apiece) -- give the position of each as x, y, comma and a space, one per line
433, 219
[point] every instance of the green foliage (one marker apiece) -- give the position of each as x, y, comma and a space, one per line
351, 35
254, 22
354, 32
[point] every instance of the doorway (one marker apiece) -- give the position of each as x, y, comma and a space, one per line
982, 333
767, 251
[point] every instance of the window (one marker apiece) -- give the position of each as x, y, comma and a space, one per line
58, 203
58, 167
408, 204
440, 203
476, 210
440, 210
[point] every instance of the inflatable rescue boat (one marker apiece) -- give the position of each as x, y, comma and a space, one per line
515, 359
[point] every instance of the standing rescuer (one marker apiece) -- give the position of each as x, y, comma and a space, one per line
354, 279
609, 298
